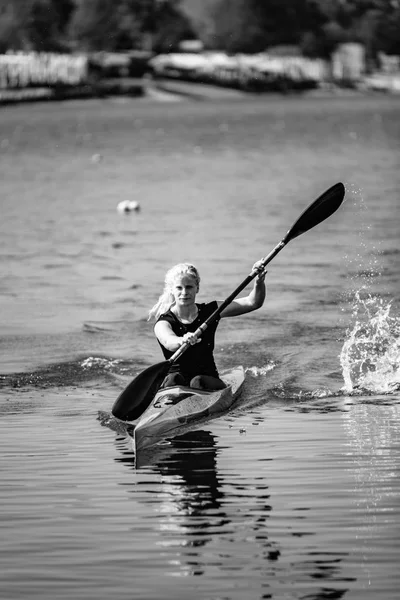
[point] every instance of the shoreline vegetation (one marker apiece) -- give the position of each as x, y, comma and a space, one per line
27, 77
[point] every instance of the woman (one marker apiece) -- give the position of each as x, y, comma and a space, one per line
178, 316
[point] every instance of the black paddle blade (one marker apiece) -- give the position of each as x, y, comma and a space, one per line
322, 208
136, 397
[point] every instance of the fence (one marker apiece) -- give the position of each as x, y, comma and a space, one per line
24, 70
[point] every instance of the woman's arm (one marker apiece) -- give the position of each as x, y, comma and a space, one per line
169, 339
253, 301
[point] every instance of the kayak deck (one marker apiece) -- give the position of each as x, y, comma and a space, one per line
175, 410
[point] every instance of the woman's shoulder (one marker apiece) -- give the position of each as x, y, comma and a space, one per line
167, 316
211, 302
207, 307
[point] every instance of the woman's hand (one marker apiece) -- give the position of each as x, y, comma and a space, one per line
258, 266
190, 338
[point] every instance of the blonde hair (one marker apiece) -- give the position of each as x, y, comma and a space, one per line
166, 300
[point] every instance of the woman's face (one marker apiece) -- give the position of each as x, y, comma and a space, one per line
184, 290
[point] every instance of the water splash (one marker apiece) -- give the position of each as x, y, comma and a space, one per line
99, 362
288, 392
370, 356
260, 371
103, 364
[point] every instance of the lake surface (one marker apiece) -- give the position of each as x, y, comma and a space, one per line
295, 494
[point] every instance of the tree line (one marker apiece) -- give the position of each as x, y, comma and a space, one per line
315, 27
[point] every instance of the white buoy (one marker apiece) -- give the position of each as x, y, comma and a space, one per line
126, 206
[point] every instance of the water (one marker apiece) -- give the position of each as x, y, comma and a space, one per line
295, 493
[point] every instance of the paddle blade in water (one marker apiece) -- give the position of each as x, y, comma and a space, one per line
136, 397
322, 208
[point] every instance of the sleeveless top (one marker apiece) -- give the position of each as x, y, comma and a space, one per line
197, 359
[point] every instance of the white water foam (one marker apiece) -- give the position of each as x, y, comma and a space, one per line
260, 371
370, 356
104, 363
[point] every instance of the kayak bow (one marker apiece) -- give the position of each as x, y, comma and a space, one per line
175, 410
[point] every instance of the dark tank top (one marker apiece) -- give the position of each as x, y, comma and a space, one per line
197, 359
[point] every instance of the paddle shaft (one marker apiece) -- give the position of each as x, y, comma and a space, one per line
229, 299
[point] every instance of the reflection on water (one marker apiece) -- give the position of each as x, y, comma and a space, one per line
218, 525
188, 503
373, 431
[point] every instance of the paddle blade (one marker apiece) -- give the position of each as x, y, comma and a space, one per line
136, 397
322, 208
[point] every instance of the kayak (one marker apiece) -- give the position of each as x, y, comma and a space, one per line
175, 410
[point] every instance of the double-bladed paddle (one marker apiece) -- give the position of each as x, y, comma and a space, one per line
136, 397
